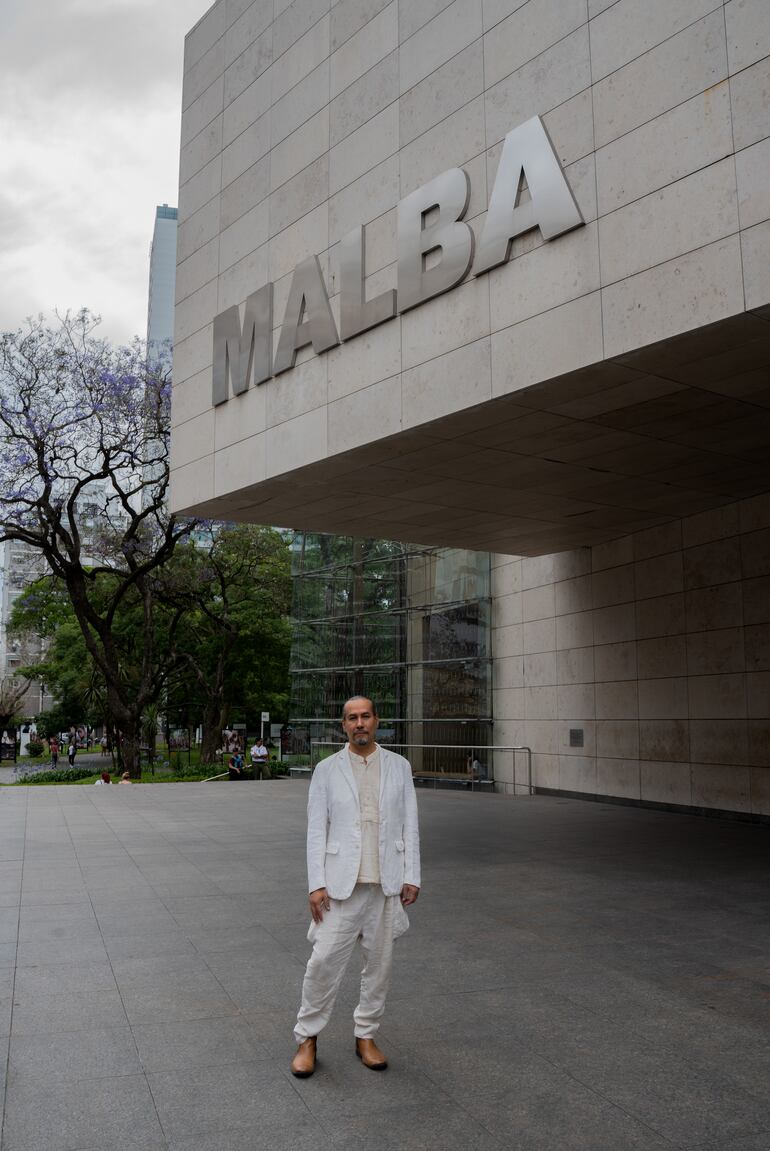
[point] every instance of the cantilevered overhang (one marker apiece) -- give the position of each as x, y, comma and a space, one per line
666, 431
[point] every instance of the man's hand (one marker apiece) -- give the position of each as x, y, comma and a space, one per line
319, 903
409, 894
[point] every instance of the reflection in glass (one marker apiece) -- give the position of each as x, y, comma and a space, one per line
405, 625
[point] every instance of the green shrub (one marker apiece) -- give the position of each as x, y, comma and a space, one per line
60, 775
35, 748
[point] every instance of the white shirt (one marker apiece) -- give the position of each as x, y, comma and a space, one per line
366, 773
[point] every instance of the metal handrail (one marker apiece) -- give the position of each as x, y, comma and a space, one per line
448, 747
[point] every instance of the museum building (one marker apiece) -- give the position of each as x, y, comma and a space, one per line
493, 276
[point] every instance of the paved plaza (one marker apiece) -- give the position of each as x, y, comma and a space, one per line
577, 975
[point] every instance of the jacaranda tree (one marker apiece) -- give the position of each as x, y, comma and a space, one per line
84, 430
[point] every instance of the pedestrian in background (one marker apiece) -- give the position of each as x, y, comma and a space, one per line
259, 757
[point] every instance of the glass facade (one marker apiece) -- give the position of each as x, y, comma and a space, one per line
404, 625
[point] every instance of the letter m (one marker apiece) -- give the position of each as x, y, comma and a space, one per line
243, 351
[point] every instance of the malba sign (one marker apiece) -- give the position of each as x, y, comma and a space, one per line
436, 251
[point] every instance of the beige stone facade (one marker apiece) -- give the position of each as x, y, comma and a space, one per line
656, 648
599, 395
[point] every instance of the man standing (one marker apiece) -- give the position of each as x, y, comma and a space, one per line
363, 860
259, 757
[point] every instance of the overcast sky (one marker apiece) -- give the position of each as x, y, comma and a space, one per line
90, 97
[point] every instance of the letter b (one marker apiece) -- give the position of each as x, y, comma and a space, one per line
448, 194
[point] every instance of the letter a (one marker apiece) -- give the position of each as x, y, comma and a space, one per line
307, 298
527, 152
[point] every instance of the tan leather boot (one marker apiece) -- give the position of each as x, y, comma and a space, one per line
303, 1063
370, 1055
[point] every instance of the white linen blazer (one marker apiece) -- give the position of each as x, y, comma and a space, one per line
334, 826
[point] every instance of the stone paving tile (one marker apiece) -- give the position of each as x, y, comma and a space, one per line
247, 963
99, 1113
680, 1102
207, 912
44, 879
414, 1129
123, 902
139, 888
143, 945
433, 1018
301, 1134
183, 888
53, 897
5, 1017
752, 1143
214, 1101
115, 923
58, 950
715, 1046
88, 1054
7, 954
9, 924
211, 941
272, 1029
474, 1067
659, 1088
59, 929
62, 979
149, 970
57, 913
197, 1043
280, 987
170, 1003
543, 1109
51, 1014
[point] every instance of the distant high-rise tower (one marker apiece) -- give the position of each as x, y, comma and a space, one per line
160, 316
160, 306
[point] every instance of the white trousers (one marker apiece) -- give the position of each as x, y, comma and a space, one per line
367, 915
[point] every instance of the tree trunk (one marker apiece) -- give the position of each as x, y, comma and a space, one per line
213, 723
150, 728
130, 749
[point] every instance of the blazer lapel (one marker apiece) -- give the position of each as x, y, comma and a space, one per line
385, 762
343, 763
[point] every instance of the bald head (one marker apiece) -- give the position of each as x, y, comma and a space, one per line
358, 701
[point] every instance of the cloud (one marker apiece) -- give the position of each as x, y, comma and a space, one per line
90, 96
69, 49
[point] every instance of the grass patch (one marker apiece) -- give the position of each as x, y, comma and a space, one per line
174, 768
59, 775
